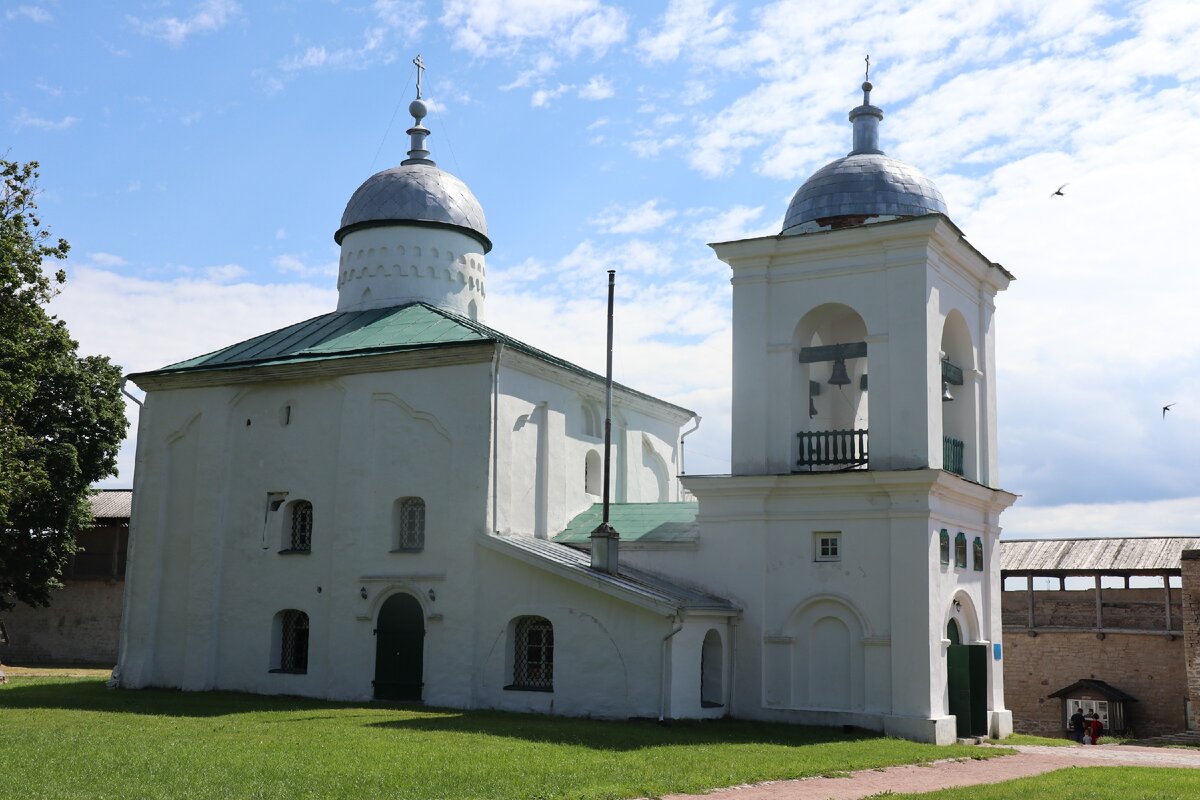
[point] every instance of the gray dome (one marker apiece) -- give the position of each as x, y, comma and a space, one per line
863, 185
418, 193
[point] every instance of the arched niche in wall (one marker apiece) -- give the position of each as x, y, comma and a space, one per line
959, 419
828, 669
829, 341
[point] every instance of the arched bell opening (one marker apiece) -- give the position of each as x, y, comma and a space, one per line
829, 389
960, 446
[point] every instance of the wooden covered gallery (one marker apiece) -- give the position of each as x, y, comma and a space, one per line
1105, 609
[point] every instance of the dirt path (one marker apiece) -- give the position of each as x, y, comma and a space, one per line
55, 672
1030, 760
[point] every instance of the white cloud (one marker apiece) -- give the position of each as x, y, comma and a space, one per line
638, 219
26, 120
106, 260
598, 88
295, 265
207, 17
394, 24
225, 273
1175, 517
543, 97
32, 13
687, 24
280, 234
53, 91
502, 27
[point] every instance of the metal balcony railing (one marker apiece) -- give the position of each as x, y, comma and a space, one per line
952, 455
844, 449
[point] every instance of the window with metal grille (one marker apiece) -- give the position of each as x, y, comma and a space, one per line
293, 642
977, 552
410, 524
944, 545
533, 654
302, 525
960, 550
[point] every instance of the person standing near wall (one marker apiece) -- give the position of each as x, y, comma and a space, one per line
1095, 728
1077, 722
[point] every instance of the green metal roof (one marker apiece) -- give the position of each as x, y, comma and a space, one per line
636, 522
348, 334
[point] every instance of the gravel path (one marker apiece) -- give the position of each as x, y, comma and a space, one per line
1030, 760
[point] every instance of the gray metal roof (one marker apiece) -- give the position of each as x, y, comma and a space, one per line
112, 503
417, 193
1107, 555
633, 583
863, 184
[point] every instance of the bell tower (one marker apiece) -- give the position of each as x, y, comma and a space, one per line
860, 522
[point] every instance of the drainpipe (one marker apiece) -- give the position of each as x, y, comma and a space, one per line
665, 682
682, 465
496, 437
125, 391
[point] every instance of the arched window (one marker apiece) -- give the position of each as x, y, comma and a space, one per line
408, 517
960, 550
711, 669
977, 548
291, 642
299, 534
533, 654
593, 473
944, 545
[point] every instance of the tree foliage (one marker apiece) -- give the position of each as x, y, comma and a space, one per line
61, 415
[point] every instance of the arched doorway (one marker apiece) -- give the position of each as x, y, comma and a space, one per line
399, 649
966, 679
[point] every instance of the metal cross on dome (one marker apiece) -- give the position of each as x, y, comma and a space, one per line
420, 67
867, 59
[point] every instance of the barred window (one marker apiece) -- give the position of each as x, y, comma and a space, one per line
977, 552
409, 522
300, 540
944, 545
292, 654
533, 654
960, 550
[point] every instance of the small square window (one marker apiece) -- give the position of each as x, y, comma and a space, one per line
827, 546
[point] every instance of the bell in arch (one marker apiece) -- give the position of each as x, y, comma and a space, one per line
946, 396
839, 376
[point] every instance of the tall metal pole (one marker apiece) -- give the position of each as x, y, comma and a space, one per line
605, 539
612, 276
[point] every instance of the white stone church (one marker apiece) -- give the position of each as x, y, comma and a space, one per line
394, 501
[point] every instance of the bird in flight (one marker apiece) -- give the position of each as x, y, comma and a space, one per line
1167, 408
1059, 191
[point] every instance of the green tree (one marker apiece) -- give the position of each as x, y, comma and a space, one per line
61, 415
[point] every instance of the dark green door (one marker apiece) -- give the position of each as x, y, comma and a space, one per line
977, 655
399, 649
959, 676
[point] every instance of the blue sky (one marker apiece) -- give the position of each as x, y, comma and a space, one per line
198, 156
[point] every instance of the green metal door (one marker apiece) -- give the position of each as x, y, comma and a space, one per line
399, 649
977, 656
959, 679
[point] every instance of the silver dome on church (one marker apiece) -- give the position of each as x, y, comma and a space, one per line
416, 192
864, 184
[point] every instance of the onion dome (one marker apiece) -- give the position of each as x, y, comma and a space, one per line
417, 192
864, 185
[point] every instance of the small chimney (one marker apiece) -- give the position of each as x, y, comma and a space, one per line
605, 539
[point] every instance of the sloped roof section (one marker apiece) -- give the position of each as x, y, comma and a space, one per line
1109, 555
112, 504
1098, 686
642, 588
350, 334
636, 522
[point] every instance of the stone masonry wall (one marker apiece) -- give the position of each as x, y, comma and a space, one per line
1147, 666
81, 626
1191, 629
1123, 608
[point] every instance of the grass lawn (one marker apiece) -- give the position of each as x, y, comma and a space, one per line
1090, 783
63, 738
